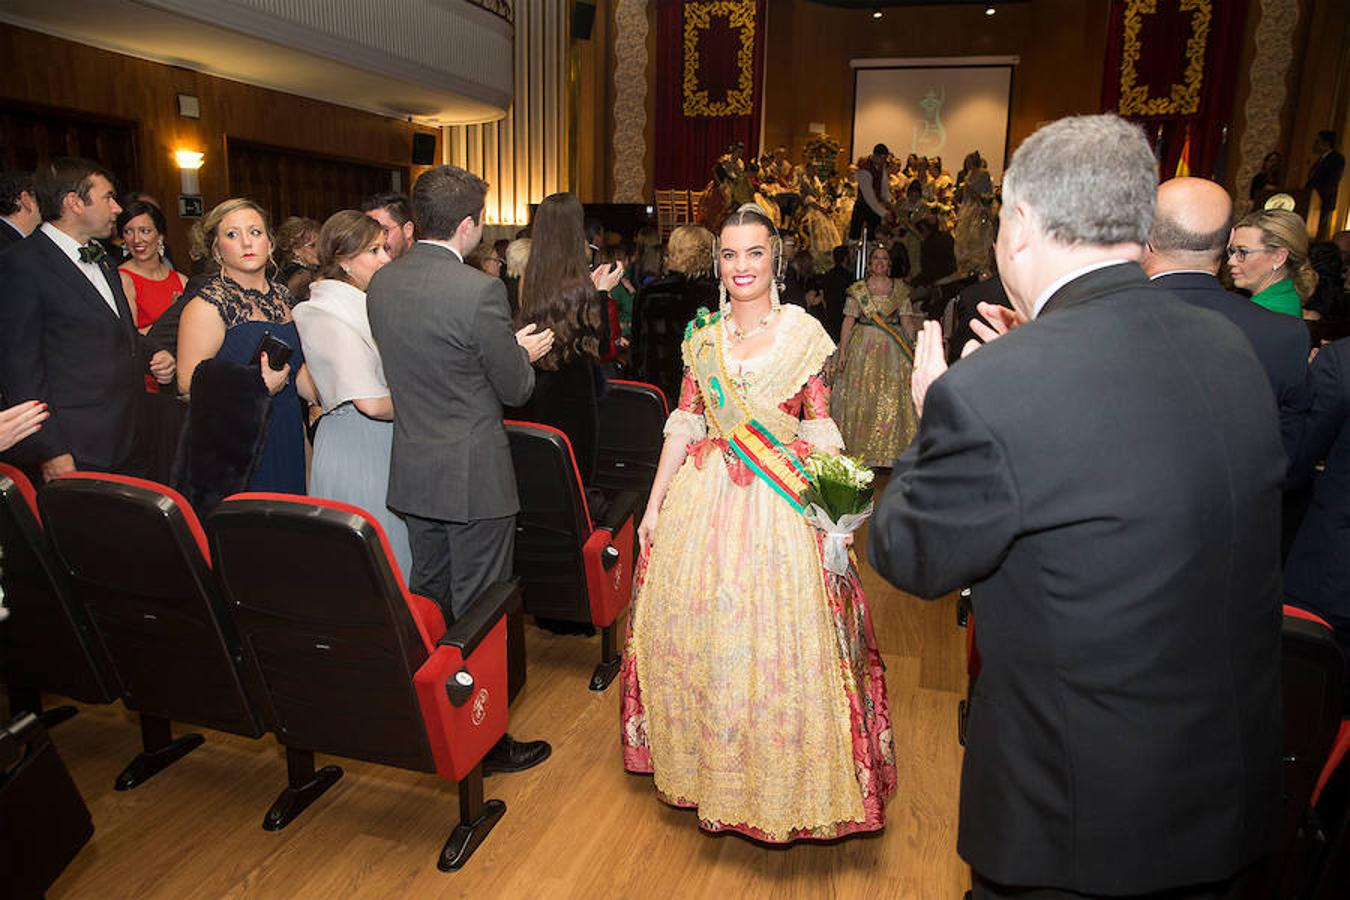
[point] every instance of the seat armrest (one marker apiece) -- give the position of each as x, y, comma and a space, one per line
622, 506
466, 632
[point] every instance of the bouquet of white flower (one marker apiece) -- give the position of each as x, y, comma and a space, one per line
837, 501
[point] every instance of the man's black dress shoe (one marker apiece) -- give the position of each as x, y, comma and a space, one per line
511, 755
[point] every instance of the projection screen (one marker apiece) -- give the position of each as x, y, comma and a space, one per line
934, 107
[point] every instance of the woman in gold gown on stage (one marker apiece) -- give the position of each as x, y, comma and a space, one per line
752, 686
872, 401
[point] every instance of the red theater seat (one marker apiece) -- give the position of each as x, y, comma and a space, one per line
137, 557
47, 642
632, 433
351, 664
574, 569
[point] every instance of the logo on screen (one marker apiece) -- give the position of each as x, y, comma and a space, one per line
930, 135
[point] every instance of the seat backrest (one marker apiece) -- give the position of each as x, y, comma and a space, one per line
47, 643
324, 616
661, 313
553, 524
137, 556
632, 425
1313, 678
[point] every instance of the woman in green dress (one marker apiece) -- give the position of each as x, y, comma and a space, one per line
1268, 255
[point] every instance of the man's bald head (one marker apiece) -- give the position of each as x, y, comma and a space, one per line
1191, 226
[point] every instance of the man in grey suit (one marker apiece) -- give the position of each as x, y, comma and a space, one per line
451, 360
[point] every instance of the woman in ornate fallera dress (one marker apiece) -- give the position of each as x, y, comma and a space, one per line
753, 691
872, 401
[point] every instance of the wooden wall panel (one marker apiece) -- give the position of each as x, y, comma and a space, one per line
64, 75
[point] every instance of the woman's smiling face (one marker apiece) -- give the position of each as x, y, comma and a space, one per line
745, 260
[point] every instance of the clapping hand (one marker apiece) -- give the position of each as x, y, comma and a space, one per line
536, 343
606, 276
20, 421
930, 361
1001, 321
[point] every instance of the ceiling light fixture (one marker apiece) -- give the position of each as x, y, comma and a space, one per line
989, 10
876, 14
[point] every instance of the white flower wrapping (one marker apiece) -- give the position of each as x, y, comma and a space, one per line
837, 501
836, 534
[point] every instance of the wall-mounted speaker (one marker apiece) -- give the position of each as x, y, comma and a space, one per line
423, 149
583, 20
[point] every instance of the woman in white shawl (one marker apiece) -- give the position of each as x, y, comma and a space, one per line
351, 448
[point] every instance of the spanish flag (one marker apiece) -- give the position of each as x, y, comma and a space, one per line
1184, 161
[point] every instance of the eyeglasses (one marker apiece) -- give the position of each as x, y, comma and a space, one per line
1241, 253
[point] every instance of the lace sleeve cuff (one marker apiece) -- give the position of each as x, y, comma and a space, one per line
688, 424
820, 433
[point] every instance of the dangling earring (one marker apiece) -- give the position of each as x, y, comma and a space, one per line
161, 248
723, 304
774, 303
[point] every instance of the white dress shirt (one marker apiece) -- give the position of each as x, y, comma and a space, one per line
92, 271
1065, 279
446, 244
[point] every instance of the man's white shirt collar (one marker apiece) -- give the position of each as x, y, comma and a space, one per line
446, 244
1181, 272
1065, 279
71, 248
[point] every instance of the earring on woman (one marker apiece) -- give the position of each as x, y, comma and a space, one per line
723, 304
775, 304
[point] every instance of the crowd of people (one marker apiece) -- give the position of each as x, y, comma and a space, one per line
1080, 417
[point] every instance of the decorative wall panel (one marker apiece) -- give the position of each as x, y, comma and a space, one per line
630, 102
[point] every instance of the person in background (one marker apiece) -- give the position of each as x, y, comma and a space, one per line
228, 319
1324, 179
517, 256
394, 213
484, 258
297, 255
1327, 300
647, 265
19, 214
623, 293
149, 281
560, 294
67, 335
1268, 257
1267, 177
663, 307
355, 435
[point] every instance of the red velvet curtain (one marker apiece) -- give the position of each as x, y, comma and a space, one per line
1173, 69
709, 85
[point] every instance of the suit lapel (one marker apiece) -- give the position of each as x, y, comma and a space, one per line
70, 273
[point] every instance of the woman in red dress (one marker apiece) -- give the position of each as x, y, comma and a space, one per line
150, 283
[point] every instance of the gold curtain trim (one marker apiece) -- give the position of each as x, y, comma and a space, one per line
1183, 98
698, 18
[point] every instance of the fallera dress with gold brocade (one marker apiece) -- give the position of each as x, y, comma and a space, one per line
752, 686
872, 401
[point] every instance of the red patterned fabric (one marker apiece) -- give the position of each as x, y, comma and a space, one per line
1163, 38
687, 146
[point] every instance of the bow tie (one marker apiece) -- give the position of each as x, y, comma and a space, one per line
92, 252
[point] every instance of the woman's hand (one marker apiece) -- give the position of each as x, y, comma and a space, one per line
536, 343
648, 527
605, 277
20, 421
274, 379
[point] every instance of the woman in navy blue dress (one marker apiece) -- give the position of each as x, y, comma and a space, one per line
228, 318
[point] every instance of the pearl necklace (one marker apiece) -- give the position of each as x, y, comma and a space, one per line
737, 335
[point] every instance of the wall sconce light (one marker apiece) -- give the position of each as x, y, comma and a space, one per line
189, 161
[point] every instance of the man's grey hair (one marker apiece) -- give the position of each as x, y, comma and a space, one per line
1087, 179
1169, 236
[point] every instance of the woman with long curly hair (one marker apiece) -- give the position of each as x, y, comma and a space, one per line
559, 292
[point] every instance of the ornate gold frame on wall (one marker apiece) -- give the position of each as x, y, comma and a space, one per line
698, 18
1184, 98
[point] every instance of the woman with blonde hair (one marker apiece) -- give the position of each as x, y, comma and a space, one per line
235, 318
356, 433
1268, 256
664, 306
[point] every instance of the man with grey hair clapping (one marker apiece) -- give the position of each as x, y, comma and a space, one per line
1102, 479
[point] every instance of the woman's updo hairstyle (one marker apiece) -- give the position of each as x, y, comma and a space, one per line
343, 235
751, 214
204, 231
1284, 230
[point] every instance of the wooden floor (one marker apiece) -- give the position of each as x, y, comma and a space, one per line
576, 826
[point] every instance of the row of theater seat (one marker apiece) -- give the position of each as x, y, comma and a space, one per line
1311, 857
286, 615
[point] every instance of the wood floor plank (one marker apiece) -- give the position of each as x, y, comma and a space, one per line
576, 827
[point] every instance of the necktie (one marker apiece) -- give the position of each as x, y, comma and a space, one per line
92, 252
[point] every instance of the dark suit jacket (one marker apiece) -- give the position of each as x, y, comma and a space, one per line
937, 258
835, 284
1325, 178
9, 235
61, 343
661, 311
1317, 573
1107, 480
1281, 344
967, 311
451, 359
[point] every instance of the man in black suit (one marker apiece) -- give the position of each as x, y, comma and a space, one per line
1325, 178
452, 362
1316, 576
1106, 478
834, 284
1186, 246
67, 336
19, 214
